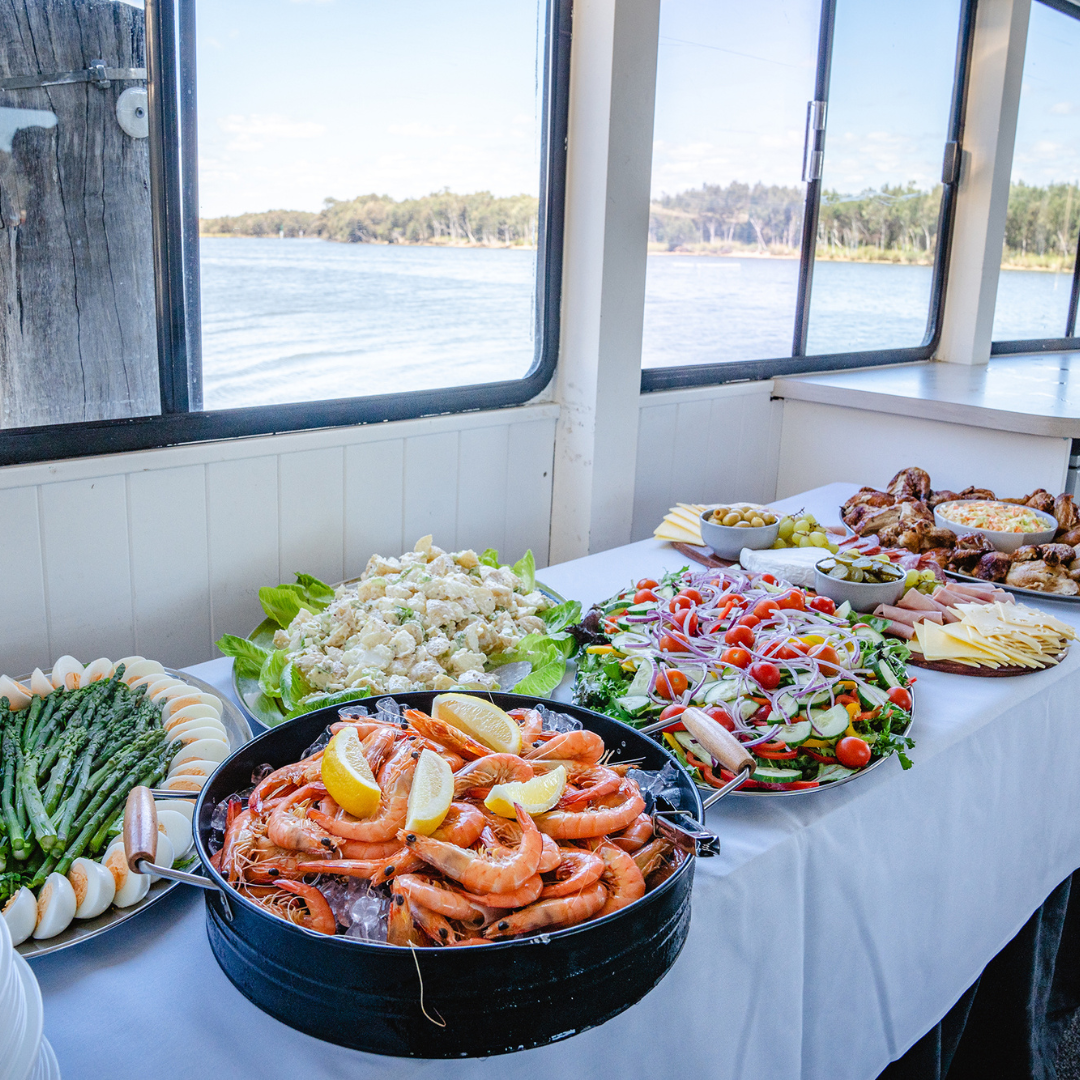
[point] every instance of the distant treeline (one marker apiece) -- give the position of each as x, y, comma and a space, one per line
893, 224
890, 224
478, 219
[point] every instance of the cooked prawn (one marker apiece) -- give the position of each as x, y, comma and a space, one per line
285, 779
293, 833
621, 877
589, 784
446, 735
487, 771
377, 745
531, 722
400, 928
562, 911
437, 927
443, 898
503, 871
525, 894
319, 917
576, 870
393, 806
606, 815
584, 745
313, 792
648, 858
636, 835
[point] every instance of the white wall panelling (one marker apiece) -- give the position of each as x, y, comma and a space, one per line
865, 447
161, 552
708, 444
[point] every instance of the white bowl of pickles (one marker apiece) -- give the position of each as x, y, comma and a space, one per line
728, 529
862, 581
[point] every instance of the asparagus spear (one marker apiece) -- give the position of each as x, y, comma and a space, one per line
19, 848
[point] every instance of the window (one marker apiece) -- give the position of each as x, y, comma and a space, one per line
378, 190
1036, 298
800, 215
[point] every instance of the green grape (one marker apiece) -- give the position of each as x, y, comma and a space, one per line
804, 524
833, 548
804, 541
778, 543
928, 575
911, 579
787, 527
818, 539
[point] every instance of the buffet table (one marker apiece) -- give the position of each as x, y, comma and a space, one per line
833, 930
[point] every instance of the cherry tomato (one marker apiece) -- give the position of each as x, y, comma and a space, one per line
739, 635
647, 583
642, 596
721, 716
769, 578
680, 602
691, 594
900, 697
672, 643
766, 675
780, 651
764, 609
671, 684
793, 601
762, 714
853, 752
824, 604
749, 620
825, 655
687, 619
739, 658
670, 713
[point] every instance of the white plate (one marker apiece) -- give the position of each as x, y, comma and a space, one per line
26, 1054
47, 1067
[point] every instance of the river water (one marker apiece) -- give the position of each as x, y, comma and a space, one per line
304, 320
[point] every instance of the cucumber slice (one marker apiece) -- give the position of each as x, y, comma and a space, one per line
794, 734
820, 699
868, 633
789, 706
633, 703
768, 775
748, 707
871, 696
886, 674
639, 685
844, 610
831, 723
640, 609
723, 690
687, 742
628, 637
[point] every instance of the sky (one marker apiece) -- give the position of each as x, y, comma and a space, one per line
1048, 123
300, 100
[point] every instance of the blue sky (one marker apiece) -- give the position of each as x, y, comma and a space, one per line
304, 99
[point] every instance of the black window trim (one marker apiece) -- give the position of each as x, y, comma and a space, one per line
691, 375
1068, 343
173, 175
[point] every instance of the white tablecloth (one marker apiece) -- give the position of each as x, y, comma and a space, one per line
831, 933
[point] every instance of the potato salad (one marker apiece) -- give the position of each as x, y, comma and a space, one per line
428, 620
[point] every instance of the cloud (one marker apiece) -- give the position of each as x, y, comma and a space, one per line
422, 131
1063, 108
254, 131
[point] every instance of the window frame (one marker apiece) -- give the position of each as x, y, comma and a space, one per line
1070, 342
171, 87
689, 375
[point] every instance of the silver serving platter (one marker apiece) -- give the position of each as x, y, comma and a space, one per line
1035, 594
239, 732
264, 710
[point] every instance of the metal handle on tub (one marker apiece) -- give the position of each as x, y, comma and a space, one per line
140, 845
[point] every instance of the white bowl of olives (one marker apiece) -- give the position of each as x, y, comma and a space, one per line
728, 529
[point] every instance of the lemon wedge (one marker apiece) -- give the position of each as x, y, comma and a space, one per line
431, 793
536, 796
347, 775
485, 722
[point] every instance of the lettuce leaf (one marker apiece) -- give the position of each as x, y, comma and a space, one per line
317, 592
282, 603
248, 658
541, 681
270, 674
525, 568
490, 557
323, 701
563, 615
294, 687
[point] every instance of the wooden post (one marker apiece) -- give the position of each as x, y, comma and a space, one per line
77, 333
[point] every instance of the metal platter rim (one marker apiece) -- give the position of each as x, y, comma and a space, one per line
79, 932
1033, 593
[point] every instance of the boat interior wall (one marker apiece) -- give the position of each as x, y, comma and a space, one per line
876, 445
705, 445
162, 551
993, 100
608, 170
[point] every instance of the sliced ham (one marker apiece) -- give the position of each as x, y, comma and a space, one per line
907, 615
917, 601
900, 630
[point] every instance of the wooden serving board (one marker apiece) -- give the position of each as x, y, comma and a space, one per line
701, 555
951, 667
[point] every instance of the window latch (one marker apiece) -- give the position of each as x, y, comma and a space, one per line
97, 73
813, 153
950, 165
